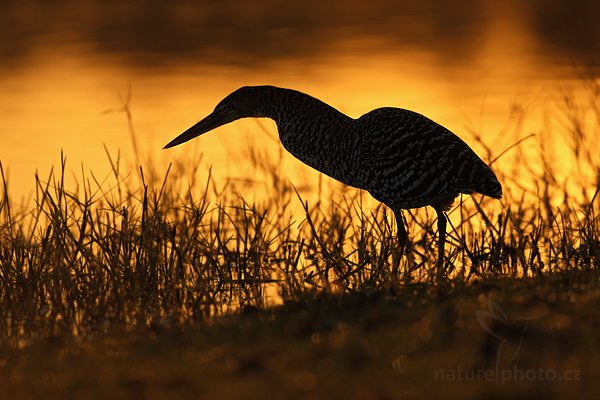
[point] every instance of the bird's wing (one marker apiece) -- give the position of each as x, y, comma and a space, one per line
410, 161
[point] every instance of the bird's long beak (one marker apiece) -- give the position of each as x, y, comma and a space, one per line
212, 121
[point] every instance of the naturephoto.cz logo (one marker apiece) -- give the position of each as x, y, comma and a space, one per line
504, 340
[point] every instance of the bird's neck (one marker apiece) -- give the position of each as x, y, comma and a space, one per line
311, 129
302, 118
287, 105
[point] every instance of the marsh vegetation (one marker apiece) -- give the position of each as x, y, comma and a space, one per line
152, 279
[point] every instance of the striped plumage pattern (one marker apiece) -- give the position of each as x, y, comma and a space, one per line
405, 160
409, 161
402, 158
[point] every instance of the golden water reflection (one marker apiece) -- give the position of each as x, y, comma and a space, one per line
492, 78
74, 106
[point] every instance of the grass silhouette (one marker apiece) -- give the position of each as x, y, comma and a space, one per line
165, 283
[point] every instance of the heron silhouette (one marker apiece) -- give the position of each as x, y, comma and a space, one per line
402, 158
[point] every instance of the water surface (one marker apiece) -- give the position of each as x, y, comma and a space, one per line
475, 67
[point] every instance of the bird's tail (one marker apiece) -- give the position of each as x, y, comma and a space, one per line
482, 179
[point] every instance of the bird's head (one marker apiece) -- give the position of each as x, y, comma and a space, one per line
242, 103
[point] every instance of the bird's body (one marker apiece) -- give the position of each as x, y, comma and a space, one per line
403, 159
409, 161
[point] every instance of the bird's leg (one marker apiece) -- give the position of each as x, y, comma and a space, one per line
442, 232
402, 236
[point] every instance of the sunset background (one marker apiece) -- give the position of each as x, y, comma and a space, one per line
475, 67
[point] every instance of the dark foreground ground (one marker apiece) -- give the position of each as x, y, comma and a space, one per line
498, 338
